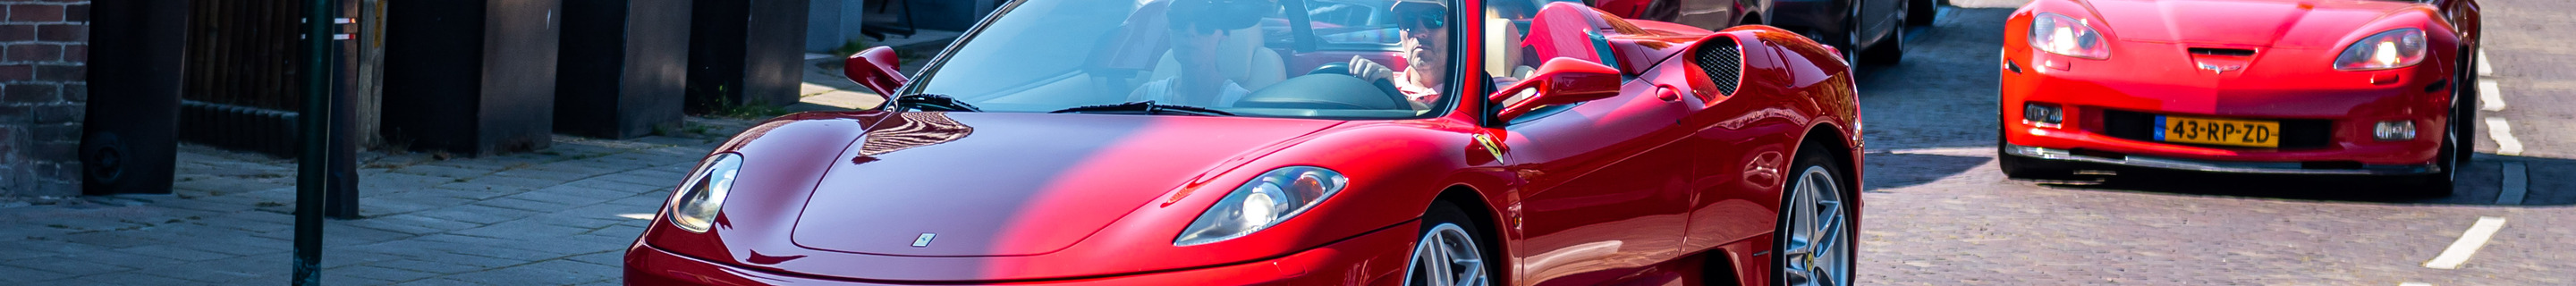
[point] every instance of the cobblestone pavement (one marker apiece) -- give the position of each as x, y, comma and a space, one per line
1939, 214
554, 217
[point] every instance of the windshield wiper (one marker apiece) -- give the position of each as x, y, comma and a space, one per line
1148, 107
932, 102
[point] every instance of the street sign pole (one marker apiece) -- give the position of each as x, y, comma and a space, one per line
311, 179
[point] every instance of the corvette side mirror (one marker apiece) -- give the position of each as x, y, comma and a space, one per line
876, 69
1560, 81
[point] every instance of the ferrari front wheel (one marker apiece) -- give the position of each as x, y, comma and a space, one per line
1447, 253
1813, 245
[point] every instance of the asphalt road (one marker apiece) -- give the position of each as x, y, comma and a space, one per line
1938, 212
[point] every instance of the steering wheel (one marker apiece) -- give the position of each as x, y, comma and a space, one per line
1367, 70
1323, 91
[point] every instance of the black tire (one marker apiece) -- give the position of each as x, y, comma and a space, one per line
1891, 50
1847, 40
1841, 41
1444, 214
2464, 110
2026, 168
1920, 12
1843, 195
2439, 183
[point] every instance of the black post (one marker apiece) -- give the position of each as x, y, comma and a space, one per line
342, 189
313, 166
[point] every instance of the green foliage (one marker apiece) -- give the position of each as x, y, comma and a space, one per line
753, 110
852, 47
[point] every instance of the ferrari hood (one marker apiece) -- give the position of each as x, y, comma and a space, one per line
2239, 23
1011, 184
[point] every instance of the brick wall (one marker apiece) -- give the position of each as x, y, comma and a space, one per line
44, 48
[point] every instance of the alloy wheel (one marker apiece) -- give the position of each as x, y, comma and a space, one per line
1817, 250
1446, 256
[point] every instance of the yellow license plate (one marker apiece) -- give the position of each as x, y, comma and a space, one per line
2254, 133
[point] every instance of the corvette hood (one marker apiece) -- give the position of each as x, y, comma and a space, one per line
1011, 184
2243, 23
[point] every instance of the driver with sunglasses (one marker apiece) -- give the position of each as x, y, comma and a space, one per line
1425, 48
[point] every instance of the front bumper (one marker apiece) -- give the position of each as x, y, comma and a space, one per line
2214, 166
1356, 260
2326, 116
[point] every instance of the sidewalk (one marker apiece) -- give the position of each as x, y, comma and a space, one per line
558, 216
827, 89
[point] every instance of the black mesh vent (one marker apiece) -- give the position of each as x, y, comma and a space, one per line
1723, 63
2295, 133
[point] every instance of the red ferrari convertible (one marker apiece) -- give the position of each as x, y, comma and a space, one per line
2324, 87
1342, 142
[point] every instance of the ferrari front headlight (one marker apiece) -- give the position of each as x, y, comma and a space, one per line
694, 205
1268, 199
2059, 34
2401, 47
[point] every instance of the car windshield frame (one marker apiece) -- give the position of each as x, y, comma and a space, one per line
1451, 90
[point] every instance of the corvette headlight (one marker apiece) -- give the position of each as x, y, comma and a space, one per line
693, 207
2059, 34
2402, 47
1265, 201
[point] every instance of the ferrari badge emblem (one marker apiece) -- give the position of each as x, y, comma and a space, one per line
924, 241
1490, 148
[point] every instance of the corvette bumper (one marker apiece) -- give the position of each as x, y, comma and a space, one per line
2110, 111
1376, 256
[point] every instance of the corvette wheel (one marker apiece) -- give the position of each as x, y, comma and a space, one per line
1447, 253
2439, 183
2026, 168
1813, 245
2464, 116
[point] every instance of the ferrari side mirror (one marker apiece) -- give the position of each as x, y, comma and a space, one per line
876, 69
1560, 81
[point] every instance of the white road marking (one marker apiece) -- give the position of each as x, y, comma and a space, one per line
2517, 182
2490, 98
2468, 244
2503, 135
636, 216
2483, 67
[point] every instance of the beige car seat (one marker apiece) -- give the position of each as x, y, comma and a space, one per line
1241, 57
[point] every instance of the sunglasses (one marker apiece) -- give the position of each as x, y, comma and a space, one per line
1422, 16
1193, 29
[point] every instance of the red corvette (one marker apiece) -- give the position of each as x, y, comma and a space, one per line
1222, 142
2329, 87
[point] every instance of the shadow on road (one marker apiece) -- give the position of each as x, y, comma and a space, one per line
2481, 183
1895, 170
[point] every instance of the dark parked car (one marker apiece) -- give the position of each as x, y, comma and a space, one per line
1867, 31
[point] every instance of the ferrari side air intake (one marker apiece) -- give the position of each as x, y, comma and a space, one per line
1723, 62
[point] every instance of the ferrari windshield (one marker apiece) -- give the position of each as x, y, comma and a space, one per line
1271, 58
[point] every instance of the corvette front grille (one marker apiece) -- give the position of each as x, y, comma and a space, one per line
1723, 63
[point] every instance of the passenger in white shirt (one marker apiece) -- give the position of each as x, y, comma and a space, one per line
1196, 28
